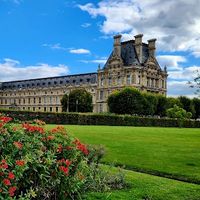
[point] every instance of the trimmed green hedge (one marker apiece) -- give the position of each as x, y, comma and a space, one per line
99, 119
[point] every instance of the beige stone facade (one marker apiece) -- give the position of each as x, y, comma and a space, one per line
131, 63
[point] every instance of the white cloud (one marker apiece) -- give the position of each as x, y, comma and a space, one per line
54, 46
13, 70
187, 73
98, 61
80, 51
178, 88
171, 61
176, 24
86, 25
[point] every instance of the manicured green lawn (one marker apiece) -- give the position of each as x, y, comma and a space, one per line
166, 151
148, 187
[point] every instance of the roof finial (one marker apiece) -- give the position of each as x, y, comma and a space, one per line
99, 67
165, 68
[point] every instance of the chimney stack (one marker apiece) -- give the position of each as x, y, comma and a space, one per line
152, 47
117, 45
138, 46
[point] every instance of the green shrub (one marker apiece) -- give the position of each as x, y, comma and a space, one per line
40, 164
177, 112
97, 119
126, 101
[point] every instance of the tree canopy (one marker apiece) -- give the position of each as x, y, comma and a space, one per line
78, 100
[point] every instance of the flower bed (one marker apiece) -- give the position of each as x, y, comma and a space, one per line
40, 164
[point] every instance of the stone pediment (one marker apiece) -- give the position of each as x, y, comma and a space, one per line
115, 60
152, 62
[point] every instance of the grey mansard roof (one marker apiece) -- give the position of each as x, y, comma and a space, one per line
77, 79
129, 55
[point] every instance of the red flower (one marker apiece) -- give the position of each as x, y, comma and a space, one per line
64, 169
14, 128
11, 175
12, 191
3, 161
1, 125
81, 147
4, 165
6, 181
67, 162
32, 129
1, 190
69, 148
19, 145
59, 149
50, 137
5, 119
1, 173
20, 162
58, 129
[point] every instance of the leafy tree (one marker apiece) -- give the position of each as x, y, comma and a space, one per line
161, 105
171, 101
187, 104
79, 100
126, 101
178, 112
196, 103
150, 104
196, 82
64, 102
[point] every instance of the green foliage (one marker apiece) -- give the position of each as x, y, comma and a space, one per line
40, 164
78, 100
177, 112
97, 119
64, 102
126, 101
171, 101
161, 105
187, 104
196, 103
149, 104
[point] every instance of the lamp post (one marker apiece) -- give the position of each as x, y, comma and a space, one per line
68, 103
76, 105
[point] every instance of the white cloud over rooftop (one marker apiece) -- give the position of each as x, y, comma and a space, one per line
176, 24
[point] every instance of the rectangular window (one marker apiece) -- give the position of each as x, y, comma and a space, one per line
138, 79
101, 95
45, 99
50, 100
33, 108
56, 109
45, 109
119, 80
109, 81
51, 109
34, 100
100, 107
102, 81
39, 99
128, 79
57, 100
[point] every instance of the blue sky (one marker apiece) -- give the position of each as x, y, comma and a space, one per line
51, 38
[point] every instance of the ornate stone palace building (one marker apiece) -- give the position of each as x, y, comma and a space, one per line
131, 63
